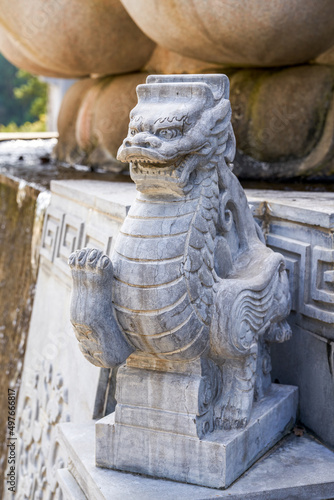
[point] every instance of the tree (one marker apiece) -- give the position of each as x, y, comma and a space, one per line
23, 97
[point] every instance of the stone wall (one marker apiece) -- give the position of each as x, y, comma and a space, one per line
58, 384
301, 227
18, 238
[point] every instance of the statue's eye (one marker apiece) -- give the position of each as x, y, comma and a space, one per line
133, 131
168, 133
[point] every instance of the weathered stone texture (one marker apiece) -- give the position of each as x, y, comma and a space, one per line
153, 430
301, 226
72, 38
283, 121
94, 118
17, 286
281, 113
300, 468
50, 392
283, 118
253, 33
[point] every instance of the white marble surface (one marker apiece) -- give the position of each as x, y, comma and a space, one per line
297, 468
100, 207
153, 442
58, 383
315, 209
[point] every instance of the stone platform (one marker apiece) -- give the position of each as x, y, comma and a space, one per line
297, 468
155, 434
301, 226
89, 213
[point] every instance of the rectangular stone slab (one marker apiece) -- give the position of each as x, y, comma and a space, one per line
215, 461
298, 467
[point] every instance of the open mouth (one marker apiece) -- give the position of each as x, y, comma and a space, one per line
132, 154
144, 166
144, 163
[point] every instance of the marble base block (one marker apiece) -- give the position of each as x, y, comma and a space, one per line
296, 468
153, 431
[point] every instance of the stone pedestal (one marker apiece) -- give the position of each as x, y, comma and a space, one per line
156, 426
298, 467
299, 225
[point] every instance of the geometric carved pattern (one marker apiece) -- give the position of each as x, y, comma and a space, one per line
93, 238
69, 240
311, 276
39, 456
65, 233
321, 303
322, 271
52, 224
310, 270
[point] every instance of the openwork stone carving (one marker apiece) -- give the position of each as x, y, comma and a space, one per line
190, 277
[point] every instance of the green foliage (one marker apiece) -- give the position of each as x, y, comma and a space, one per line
38, 126
23, 98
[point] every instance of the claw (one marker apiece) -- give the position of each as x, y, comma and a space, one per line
93, 254
104, 262
82, 254
71, 259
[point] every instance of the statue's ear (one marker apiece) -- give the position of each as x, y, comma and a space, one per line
229, 152
220, 117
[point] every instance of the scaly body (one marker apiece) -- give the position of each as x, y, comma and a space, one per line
164, 273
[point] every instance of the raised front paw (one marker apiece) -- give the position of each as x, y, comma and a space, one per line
100, 339
88, 258
92, 273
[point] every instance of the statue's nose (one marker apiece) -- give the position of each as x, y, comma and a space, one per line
142, 140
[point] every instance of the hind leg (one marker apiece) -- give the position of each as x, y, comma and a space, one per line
234, 408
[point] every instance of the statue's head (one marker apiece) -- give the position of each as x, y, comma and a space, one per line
180, 123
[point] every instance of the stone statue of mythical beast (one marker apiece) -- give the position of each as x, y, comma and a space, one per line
190, 274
